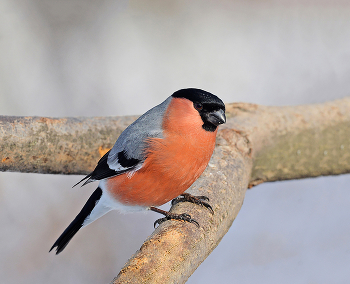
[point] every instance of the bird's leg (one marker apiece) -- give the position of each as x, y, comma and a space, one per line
199, 200
172, 216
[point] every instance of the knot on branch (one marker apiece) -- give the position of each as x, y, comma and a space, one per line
232, 137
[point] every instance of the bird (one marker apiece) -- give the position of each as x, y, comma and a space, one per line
154, 160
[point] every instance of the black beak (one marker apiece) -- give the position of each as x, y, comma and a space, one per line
217, 117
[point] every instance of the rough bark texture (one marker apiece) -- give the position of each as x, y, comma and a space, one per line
57, 145
257, 144
296, 142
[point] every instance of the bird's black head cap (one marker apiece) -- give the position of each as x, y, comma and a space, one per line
209, 106
199, 96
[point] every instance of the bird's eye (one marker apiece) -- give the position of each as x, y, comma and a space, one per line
198, 106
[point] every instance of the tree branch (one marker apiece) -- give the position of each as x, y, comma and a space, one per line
257, 144
296, 142
57, 145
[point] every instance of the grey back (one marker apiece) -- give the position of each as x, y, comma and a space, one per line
132, 139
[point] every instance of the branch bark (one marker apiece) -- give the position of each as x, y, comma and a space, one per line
257, 144
57, 145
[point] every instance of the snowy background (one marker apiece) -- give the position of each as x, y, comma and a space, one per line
106, 58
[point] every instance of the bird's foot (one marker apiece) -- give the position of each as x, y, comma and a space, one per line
199, 200
172, 216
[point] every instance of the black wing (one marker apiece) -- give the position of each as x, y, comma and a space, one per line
103, 170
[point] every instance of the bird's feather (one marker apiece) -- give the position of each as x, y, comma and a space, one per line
78, 222
132, 143
129, 151
103, 171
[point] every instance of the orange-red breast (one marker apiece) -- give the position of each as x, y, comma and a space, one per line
154, 160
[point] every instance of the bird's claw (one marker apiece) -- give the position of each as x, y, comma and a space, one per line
172, 216
199, 200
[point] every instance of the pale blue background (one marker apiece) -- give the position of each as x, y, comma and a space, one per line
99, 58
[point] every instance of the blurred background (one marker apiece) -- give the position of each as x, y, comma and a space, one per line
107, 58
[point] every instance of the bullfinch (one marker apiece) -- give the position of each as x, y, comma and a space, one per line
154, 160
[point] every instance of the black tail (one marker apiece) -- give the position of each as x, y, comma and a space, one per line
77, 223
